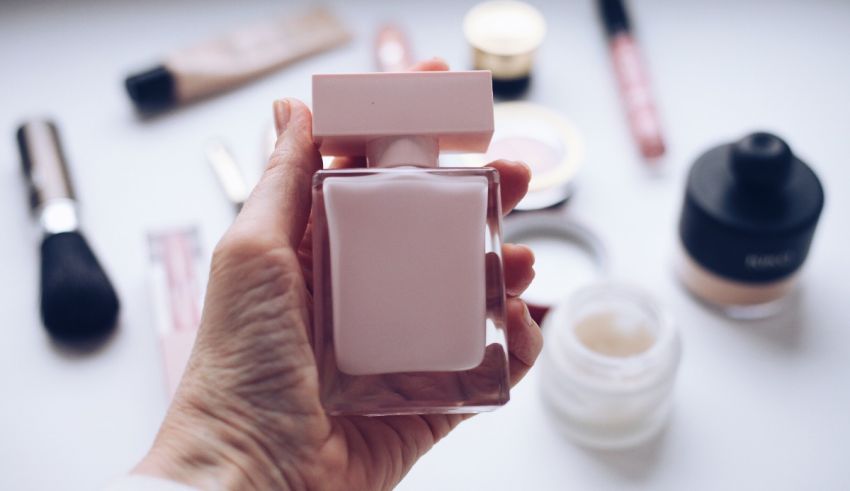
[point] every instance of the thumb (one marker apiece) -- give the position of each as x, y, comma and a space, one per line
279, 206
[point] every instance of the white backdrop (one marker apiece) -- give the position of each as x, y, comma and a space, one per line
758, 405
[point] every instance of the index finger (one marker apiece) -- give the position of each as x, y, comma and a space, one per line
514, 179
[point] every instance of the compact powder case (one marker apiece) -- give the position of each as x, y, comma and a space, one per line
545, 140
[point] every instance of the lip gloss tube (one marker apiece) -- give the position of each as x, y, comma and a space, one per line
392, 49
177, 294
632, 80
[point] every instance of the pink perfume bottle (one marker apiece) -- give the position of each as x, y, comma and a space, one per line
408, 285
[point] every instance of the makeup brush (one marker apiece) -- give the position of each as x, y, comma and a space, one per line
78, 302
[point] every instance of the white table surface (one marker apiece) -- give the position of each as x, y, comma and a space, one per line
758, 405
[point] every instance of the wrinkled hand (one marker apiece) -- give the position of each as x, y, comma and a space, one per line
247, 413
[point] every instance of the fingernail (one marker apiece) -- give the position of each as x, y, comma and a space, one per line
281, 115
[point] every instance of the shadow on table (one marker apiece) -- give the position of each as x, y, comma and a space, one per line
784, 331
634, 464
81, 350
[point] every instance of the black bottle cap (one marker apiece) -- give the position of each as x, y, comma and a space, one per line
614, 16
750, 210
152, 90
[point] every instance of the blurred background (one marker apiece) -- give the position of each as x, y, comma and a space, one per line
758, 404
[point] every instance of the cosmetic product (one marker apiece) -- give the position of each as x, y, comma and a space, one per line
78, 302
505, 35
228, 172
632, 80
547, 142
567, 257
608, 366
408, 286
392, 49
749, 215
176, 290
234, 59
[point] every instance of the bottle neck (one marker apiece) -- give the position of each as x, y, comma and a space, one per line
395, 151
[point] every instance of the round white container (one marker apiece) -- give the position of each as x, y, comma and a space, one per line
608, 366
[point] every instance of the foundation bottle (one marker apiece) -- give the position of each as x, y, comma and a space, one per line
409, 301
749, 216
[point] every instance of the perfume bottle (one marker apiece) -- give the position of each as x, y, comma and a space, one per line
409, 298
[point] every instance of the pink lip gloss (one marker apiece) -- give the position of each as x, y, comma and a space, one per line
177, 295
409, 300
392, 49
632, 80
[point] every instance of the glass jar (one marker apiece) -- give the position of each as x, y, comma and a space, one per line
609, 365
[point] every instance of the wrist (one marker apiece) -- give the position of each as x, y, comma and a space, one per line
208, 454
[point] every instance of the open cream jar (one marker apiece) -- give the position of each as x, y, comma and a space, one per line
608, 366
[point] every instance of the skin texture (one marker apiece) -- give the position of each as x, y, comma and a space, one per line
247, 413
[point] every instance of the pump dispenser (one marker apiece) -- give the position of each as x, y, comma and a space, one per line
409, 299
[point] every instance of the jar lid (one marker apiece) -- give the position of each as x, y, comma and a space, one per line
504, 35
750, 209
568, 256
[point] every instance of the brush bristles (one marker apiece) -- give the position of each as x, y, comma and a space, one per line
78, 302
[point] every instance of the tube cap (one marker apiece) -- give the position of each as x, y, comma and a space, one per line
750, 210
152, 90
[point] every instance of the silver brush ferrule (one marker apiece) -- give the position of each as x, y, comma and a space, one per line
44, 165
59, 215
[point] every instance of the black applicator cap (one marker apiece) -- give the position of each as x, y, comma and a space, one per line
751, 209
614, 16
152, 90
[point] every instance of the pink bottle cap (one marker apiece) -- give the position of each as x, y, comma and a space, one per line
402, 118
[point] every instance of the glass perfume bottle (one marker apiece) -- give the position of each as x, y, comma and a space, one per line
409, 301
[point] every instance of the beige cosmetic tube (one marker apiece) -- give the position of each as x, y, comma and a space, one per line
233, 59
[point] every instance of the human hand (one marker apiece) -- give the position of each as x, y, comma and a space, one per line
247, 413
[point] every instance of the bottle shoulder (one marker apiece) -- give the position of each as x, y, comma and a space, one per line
408, 174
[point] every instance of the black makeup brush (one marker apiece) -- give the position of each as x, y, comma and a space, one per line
78, 302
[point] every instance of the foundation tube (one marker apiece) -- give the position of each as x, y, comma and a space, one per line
233, 59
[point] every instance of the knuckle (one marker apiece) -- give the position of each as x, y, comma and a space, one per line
238, 248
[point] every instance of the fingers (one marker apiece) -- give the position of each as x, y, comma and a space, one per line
518, 261
524, 339
515, 177
279, 205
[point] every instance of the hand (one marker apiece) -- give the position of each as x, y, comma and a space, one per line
247, 413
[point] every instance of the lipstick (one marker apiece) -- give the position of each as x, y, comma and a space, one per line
632, 79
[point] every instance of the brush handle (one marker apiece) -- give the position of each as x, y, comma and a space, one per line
43, 163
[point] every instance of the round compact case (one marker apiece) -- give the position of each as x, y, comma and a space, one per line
749, 215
